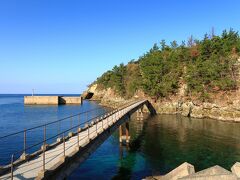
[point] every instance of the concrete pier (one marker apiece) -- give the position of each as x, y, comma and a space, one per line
52, 100
59, 159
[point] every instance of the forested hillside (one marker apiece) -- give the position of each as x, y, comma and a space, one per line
205, 66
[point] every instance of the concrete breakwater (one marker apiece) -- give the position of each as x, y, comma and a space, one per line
186, 171
52, 100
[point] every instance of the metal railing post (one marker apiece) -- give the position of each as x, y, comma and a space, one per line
71, 123
102, 123
112, 116
92, 115
78, 131
44, 134
59, 127
44, 147
96, 125
78, 138
12, 159
43, 157
25, 142
64, 146
88, 130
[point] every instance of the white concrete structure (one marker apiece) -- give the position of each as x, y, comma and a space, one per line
33, 169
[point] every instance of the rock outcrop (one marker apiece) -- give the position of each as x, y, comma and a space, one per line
204, 110
226, 108
107, 97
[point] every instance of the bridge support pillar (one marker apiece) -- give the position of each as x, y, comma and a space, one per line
127, 132
120, 151
140, 114
124, 137
120, 133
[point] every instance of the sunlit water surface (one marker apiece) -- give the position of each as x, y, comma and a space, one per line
158, 144
15, 116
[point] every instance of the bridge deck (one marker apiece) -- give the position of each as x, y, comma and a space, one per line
31, 169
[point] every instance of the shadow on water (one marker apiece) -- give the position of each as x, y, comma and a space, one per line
126, 167
160, 144
201, 142
128, 162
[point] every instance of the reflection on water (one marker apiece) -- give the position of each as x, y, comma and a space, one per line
161, 143
201, 142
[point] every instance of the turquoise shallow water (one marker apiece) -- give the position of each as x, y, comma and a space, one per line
165, 142
158, 144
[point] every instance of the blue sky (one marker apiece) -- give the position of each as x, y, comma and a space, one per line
60, 46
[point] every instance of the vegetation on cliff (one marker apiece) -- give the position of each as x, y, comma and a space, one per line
206, 66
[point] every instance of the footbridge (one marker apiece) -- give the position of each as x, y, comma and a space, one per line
57, 156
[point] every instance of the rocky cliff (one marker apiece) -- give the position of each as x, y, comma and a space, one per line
224, 106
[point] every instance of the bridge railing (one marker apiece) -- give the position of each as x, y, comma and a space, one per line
16, 158
29, 143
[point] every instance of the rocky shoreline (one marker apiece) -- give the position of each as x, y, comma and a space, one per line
219, 111
204, 110
189, 109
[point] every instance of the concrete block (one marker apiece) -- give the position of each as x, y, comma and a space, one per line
51, 100
184, 169
70, 100
215, 170
211, 177
41, 100
212, 173
236, 169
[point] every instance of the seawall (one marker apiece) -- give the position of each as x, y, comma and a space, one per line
52, 100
